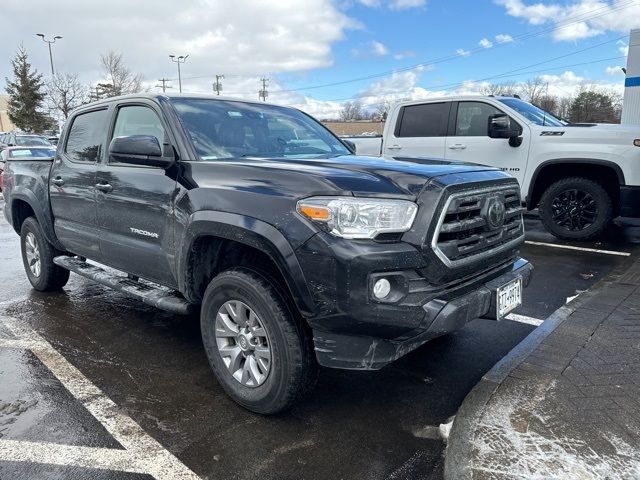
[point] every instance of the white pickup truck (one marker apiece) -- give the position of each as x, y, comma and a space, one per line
579, 176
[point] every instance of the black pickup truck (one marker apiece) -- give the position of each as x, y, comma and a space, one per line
295, 251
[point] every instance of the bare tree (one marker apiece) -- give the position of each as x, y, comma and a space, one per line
498, 89
381, 111
549, 103
119, 75
564, 107
65, 93
533, 90
352, 111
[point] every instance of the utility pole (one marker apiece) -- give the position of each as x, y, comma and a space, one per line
263, 94
179, 60
164, 84
217, 87
49, 42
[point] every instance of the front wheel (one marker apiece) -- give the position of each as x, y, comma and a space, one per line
37, 257
576, 208
256, 345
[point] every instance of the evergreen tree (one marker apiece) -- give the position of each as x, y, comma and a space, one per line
26, 96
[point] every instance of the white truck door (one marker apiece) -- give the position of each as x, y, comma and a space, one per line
469, 141
419, 131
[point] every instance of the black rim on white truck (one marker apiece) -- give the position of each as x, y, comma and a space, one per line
576, 208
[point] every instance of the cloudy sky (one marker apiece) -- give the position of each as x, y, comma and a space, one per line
320, 53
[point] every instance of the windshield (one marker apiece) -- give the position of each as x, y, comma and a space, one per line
27, 140
227, 129
533, 113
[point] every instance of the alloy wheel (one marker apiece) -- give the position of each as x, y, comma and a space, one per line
32, 252
243, 343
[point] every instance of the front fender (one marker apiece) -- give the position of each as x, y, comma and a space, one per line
254, 233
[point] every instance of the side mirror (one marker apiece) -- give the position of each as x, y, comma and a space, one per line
138, 150
500, 126
350, 145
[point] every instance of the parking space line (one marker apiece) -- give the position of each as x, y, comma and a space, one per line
580, 249
514, 317
68, 455
145, 453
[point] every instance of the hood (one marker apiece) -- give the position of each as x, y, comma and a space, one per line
347, 174
595, 131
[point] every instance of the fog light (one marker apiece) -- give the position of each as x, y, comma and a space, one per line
381, 288
636, 142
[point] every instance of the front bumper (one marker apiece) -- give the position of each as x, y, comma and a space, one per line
337, 350
629, 201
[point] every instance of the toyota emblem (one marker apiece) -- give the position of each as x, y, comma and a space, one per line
495, 213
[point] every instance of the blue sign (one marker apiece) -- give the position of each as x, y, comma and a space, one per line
632, 82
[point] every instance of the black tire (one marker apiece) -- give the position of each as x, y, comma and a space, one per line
51, 277
293, 369
576, 208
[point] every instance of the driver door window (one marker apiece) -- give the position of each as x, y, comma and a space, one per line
138, 120
473, 119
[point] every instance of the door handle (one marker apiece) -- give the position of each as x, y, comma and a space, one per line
394, 147
457, 146
104, 187
58, 181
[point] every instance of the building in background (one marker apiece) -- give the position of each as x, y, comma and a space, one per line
5, 124
631, 105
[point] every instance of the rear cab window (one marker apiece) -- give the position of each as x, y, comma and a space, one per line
86, 136
425, 120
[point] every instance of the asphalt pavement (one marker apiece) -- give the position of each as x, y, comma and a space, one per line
94, 385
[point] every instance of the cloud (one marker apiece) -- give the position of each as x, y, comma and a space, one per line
404, 4
623, 48
394, 4
612, 71
580, 19
485, 43
462, 52
405, 54
503, 38
218, 35
378, 49
370, 49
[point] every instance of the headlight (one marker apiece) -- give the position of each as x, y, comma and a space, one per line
351, 217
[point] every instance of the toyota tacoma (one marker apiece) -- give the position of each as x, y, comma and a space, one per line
295, 251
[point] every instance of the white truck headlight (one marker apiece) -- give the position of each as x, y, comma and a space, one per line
357, 218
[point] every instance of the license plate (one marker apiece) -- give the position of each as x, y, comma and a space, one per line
509, 297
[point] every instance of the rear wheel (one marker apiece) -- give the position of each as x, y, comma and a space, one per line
576, 208
37, 257
256, 345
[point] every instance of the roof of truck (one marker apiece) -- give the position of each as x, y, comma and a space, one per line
155, 96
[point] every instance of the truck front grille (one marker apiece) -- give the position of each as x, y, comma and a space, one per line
478, 223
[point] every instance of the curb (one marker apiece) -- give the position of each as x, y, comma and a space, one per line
458, 463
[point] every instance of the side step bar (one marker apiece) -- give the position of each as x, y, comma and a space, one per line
155, 295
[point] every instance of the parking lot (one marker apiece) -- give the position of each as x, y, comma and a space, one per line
106, 387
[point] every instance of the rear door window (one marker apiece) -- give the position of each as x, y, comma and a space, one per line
86, 137
427, 120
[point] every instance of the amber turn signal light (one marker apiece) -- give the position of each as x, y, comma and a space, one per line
315, 212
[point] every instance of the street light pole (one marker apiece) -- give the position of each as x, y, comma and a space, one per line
179, 60
49, 42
